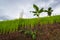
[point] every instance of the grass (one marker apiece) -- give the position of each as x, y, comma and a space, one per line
6, 26
12, 25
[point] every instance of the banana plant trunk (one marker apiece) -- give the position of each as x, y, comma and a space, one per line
38, 19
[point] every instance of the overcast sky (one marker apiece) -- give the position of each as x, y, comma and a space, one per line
11, 9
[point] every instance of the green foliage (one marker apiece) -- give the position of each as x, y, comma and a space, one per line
31, 33
8, 26
36, 7
37, 10
49, 11
12, 25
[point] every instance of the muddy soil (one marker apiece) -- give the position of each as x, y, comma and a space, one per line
44, 32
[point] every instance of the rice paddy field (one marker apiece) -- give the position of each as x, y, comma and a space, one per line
12, 25
47, 28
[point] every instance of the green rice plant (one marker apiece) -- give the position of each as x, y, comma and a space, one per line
12, 25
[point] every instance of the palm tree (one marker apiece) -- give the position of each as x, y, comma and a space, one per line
49, 11
37, 10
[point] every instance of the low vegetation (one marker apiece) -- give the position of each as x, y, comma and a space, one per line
12, 25
41, 28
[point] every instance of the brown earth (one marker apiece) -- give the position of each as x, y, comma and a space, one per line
44, 32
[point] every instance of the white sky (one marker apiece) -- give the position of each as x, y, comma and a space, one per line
11, 9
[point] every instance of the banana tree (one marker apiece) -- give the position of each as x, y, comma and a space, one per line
49, 11
37, 10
